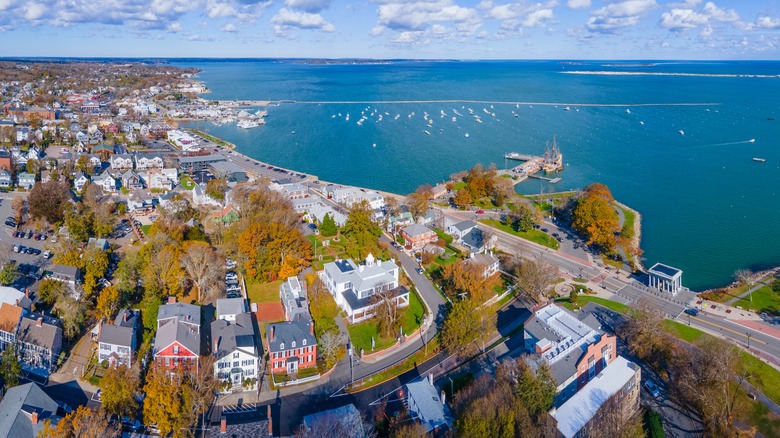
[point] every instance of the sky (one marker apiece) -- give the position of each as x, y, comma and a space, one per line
419, 29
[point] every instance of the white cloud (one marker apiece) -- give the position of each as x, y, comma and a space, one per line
719, 14
706, 32
768, 23
538, 18
616, 16
517, 16
229, 28
174, 27
302, 20
308, 5
420, 15
680, 19
578, 4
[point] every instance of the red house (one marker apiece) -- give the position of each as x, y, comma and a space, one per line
177, 343
417, 236
291, 346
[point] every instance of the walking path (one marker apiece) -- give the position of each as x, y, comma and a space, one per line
759, 284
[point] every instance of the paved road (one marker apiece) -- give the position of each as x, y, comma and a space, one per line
761, 344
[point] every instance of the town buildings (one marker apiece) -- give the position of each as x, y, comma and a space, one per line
177, 343
416, 236
38, 343
292, 346
23, 411
234, 347
353, 285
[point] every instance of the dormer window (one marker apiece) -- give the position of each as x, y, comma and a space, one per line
293, 344
304, 342
281, 346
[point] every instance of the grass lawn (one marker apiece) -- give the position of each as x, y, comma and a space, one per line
444, 236
758, 414
682, 331
612, 305
361, 335
532, 235
413, 313
610, 262
264, 292
630, 217
186, 182
486, 204
764, 377
458, 185
145, 228
764, 300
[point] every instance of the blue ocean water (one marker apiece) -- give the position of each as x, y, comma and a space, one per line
707, 207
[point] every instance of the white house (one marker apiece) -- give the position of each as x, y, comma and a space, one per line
106, 182
235, 352
199, 197
488, 262
25, 180
145, 162
353, 195
318, 211
121, 161
79, 181
353, 285
117, 341
460, 229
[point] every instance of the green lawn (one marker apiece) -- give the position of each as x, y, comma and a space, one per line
145, 228
186, 182
532, 235
361, 334
630, 217
764, 376
264, 292
458, 185
444, 236
486, 204
612, 305
682, 331
764, 300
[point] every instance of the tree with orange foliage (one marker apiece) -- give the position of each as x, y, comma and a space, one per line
466, 279
595, 217
81, 423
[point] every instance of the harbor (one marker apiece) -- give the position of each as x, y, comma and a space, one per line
551, 161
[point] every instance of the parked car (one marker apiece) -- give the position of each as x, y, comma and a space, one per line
10, 223
692, 312
480, 211
420, 271
652, 388
46, 254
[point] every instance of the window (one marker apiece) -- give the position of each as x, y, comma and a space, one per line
175, 349
281, 346
167, 361
293, 344
235, 355
175, 361
235, 364
304, 342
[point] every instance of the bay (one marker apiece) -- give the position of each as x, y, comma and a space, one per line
706, 206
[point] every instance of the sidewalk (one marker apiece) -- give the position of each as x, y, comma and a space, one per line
726, 311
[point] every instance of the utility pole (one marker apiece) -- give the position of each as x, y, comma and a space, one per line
748, 335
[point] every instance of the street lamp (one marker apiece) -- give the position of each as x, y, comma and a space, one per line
748, 335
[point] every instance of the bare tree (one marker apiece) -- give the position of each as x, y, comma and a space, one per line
616, 418
745, 276
534, 276
332, 425
329, 345
203, 268
387, 313
204, 386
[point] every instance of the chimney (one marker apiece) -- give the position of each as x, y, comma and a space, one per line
273, 328
223, 424
430, 379
34, 417
216, 346
311, 327
17, 303
172, 300
270, 422
27, 293
124, 315
39, 322
443, 398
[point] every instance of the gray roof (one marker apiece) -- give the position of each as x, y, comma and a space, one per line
664, 270
170, 333
287, 332
416, 230
18, 405
362, 277
473, 239
65, 271
201, 159
425, 404
464, 225
188, 313
230, 306
358, 303
230, 336
122, 331
48, 335
347, 416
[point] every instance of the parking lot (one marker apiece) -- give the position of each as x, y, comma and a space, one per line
27, 262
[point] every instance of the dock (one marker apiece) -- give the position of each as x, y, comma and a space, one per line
551, 161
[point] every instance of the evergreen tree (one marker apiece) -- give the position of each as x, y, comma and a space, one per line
328, 227
9, 366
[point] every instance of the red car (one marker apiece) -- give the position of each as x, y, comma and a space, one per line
480, 211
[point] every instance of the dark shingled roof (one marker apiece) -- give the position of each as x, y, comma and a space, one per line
287, 332
17, 407
230, 336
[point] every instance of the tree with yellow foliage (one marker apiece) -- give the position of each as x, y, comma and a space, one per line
594, 216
